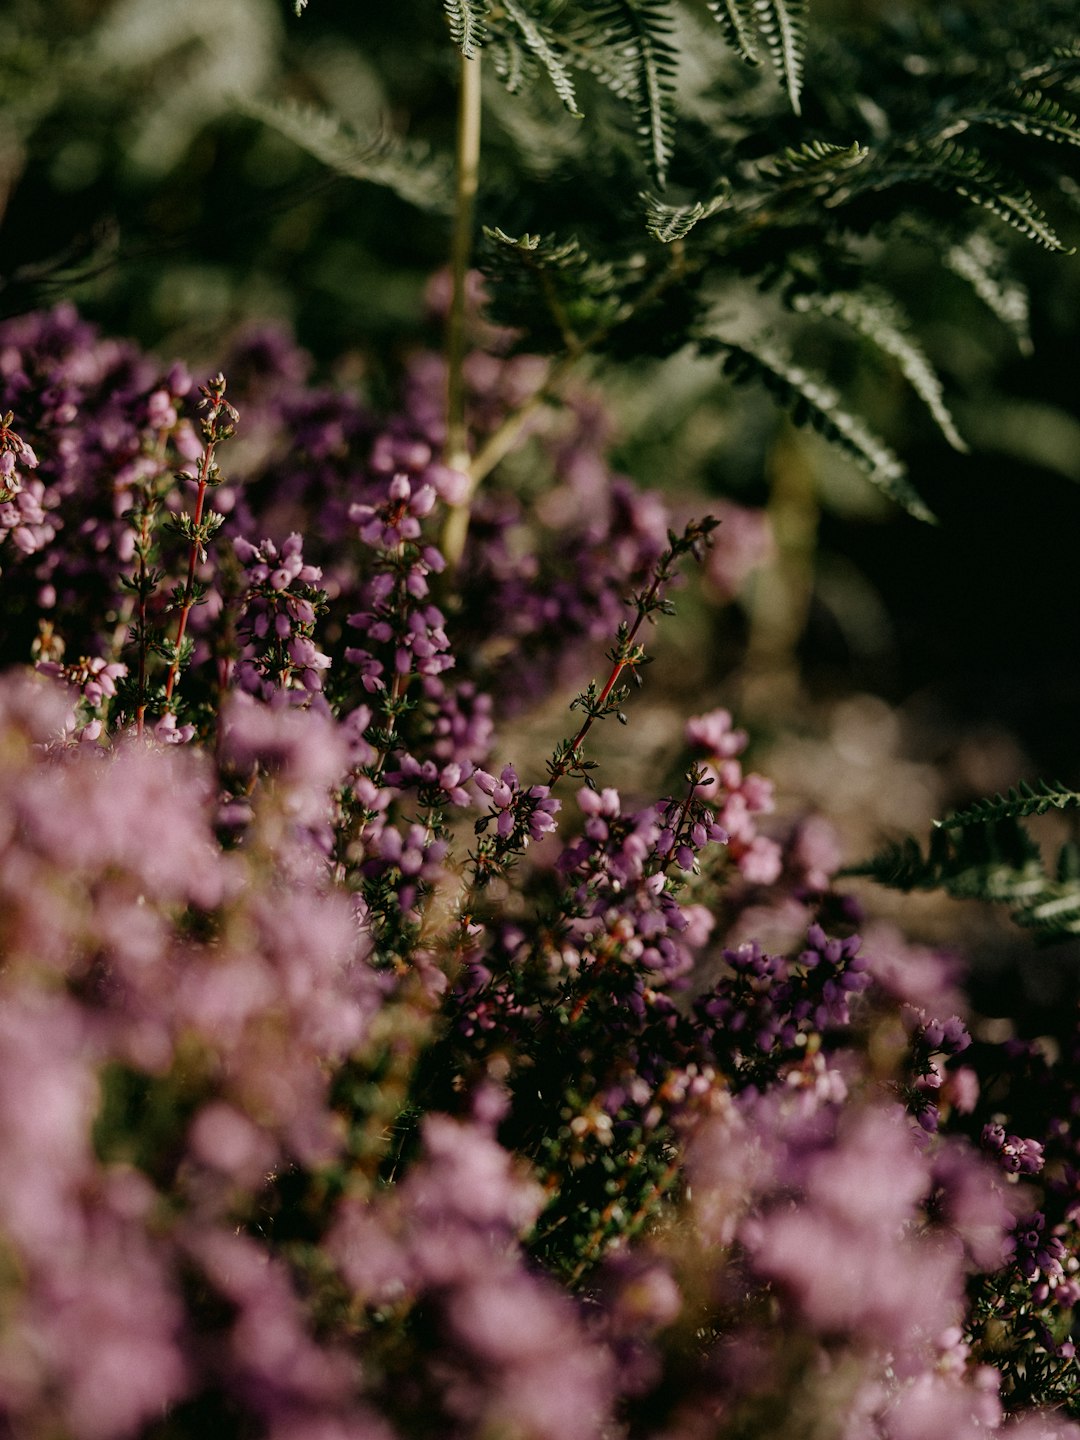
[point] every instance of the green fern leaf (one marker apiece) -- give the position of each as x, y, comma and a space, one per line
776, 25
810, 401
966, 173
515, 66
406, 167
641, 31
876, 316
541, 46
1022, 800
541, 276
736, 21
997, 861
984, 264
782, 25
1028, 113
467, 28
813, 160
595, 48
668, 223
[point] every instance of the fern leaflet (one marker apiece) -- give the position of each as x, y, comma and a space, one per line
814, 159
641, 30
782, 26
874, 315
668, 223
466, 20
998, 862
984, 264
515, 66
810, 401
1021, 800
537, 276
735, 19
777, 25
541, 46
406, 167
1033, 113
948, 166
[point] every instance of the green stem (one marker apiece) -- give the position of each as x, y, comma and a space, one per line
194, 555
503, 439
468, 171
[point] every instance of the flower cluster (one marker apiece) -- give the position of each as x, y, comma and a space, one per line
357, 1083
277, 619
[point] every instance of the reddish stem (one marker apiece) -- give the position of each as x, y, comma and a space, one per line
193, 560
613, 679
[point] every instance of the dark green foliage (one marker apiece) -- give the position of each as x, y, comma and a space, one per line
543, 44
1028, 113
983, 263
640, 31
814, 160
553, 286
1022, 800
996, 861
964, 172
775, 26
810, 401
877, 317
953, 132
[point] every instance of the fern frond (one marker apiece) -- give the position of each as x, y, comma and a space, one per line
814, 159
998, 862
984, 264
736, 21
515, 66
1020, 801
811, 401
539, 42
1061, 65
668, 223
466, 21
589, 47
1027, 112
966, 173
776, 25
404, 166
641, 30
877, 317
782, 24
536, 276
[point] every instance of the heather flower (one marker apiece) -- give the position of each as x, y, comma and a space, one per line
1015, 1155
520, 814
845, 1256
340, 1095
277, 619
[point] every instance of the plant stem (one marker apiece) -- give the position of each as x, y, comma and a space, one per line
193, 559
503, 439
563, 765
143, 546
467, 176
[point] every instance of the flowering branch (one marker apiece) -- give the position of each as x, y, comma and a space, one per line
218, 424
627, 654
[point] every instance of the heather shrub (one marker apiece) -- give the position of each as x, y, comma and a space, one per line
372, 1068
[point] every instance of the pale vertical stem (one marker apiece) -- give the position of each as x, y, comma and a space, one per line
468, 171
